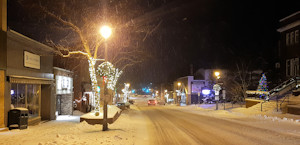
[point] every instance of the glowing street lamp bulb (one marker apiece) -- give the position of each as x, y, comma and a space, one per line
105, 31
179, 84
217, 73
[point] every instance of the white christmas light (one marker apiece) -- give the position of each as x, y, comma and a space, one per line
92, 70
111, 73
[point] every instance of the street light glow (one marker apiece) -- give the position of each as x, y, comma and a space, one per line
105, 31
217, 74
179, 84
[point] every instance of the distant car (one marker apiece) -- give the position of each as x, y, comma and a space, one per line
152, 102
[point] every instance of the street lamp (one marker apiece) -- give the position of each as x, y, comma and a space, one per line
217, 74
179, 93
179, 84
105, 31
217, 88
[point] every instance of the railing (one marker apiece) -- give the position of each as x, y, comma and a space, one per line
287, 96
286, 85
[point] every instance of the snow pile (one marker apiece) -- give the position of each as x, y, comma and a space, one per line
111, 112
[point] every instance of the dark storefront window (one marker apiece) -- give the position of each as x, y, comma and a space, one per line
18, 95
26, 96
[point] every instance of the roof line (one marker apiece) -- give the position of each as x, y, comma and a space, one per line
289, 16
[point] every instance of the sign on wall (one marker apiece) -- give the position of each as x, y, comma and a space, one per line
32, 60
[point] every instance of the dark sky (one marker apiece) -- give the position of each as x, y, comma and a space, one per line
205, 33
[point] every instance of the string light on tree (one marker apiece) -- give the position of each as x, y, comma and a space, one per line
262, 86
112, 74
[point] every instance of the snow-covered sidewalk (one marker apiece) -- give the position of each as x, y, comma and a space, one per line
68, 130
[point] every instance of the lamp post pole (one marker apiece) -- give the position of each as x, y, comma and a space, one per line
105, 125
178, 86
217, 74
105, 32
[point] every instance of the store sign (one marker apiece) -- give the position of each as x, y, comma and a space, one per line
32, 60
64, 85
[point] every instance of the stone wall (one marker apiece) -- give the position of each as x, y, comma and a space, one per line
66, 104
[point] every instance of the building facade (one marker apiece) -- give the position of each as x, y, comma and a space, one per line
27, 78
64, 91
289, 45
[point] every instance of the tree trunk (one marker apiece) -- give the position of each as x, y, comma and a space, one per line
94, 82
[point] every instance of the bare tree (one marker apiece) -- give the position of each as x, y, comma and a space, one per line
238, 81
75, 26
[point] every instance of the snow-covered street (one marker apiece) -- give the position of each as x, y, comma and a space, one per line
170, 124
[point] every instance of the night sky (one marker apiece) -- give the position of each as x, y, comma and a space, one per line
204, 33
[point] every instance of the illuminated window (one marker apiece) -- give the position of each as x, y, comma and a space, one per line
26, 96
297, 36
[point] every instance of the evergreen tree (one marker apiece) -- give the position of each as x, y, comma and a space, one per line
262, 86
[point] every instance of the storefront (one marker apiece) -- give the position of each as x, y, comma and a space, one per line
28, 78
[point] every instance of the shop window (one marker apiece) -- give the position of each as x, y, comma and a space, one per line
33, 100
297, 36
18, 98
26, 96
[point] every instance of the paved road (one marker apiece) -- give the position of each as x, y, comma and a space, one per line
167, 126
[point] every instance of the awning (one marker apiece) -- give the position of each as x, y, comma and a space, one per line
29, 80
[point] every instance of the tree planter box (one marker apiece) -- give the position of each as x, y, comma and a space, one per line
112, 115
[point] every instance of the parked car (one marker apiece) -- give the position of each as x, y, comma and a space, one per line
296, 91
123, 105
152, 102
131, 101
161, 102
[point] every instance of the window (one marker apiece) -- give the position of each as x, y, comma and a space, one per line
296, 67
292, 38
288, 68
18, 95
33, 100
297, 36
287, 39
26, 96
277, 65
